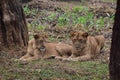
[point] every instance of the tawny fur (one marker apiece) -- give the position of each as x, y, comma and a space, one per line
87, 47
83, 48
57, 50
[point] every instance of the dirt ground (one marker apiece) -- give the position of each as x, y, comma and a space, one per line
8, 59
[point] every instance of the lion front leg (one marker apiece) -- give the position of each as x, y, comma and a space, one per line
58, 57
23, 58
85, 57
72, 56
32, 58
36, 55
29, 53
80, 58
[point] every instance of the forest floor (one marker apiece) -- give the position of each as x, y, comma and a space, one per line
57, 18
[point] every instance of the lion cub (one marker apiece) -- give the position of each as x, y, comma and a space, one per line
39, 48
87, 47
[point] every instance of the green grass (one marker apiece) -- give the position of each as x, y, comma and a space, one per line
82, 15
78, 15
113, 1
51, 69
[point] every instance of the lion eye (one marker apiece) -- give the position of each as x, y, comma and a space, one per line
73, 39
80, 40
41, 41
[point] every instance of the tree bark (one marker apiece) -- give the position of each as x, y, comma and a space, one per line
13, 28
114, 65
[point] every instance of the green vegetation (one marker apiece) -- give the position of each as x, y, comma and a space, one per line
52, 69
30, 12
113, 1
79, 15
63, 20
51, 17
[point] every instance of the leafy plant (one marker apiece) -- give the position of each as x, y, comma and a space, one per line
63, 19
26, 10
40, 27
51, 38
51, 17
79, 9
100, 22
30, 12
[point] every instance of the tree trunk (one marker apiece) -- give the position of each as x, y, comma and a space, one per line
114, 65
13, 28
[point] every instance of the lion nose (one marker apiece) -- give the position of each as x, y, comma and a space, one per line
77, 47
41, 40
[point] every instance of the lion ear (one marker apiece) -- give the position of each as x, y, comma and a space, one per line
36, 35
46, 35
85, 34
72, 33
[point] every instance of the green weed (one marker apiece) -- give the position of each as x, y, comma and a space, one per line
79, 9
51, 38
29, 12
63, 20
113, 1
100, 22
52, 17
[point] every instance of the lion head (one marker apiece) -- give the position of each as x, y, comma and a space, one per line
40, 38
79, 39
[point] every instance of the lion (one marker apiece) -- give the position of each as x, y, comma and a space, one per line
39, 48
87, 47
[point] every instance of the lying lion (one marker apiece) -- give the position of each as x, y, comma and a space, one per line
87, 47
39, 48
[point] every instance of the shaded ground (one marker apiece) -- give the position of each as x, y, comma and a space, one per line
96, 69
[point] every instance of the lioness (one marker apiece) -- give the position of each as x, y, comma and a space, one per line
87, 47
39, 48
